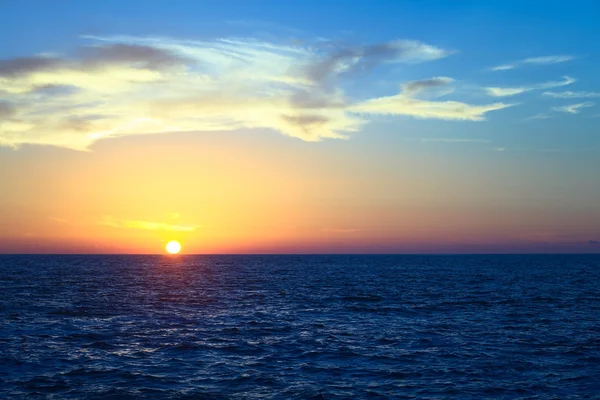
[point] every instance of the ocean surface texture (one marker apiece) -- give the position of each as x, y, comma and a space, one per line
299, 327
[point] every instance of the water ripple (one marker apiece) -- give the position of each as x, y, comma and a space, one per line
299, 327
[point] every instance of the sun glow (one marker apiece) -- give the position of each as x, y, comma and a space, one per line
173, 247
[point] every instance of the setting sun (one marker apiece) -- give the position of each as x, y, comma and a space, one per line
173, 247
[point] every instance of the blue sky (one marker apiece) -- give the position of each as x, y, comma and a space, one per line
502, 98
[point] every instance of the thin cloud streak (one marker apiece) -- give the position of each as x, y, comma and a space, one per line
454, 140
512, 91
546, 60
113, 222
413, 88
504, 67
404, 104
505, 92
347, 60
539, 116
574, 108
571, 95
340, 230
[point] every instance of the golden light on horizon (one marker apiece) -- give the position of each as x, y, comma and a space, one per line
173, 247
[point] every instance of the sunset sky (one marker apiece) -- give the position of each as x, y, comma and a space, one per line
363, 126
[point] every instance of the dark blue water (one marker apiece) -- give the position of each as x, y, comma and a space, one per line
299, 327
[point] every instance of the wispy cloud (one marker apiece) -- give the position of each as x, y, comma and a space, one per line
413, 88
546, 60
340, 230
511, 91
122, 85
571, 95
405, 104
503, 67
574, 108
454, 140
505, 92
539, 116
113, 222
7, 110
352, 59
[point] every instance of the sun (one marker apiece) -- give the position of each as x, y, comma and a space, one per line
173, 247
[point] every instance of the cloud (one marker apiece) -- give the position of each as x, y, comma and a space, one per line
143, 56
116, 86
113, 222
571, 95
574, 108
413, 88
504, 67
567, 80
594, 242
448, 110
504, 92
453, 140
340, 230
539, 116
26, 65
309, 125
92, 59
404, 104
511, 91
364, 58
546, 60
7, 110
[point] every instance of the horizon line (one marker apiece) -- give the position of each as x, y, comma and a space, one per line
297, 254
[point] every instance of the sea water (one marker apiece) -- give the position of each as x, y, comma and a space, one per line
300, 327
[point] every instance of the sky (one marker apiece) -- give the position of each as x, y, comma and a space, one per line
379, 126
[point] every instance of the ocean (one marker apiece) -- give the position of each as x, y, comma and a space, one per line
300, 327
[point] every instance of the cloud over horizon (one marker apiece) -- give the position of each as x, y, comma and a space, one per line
121, 85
